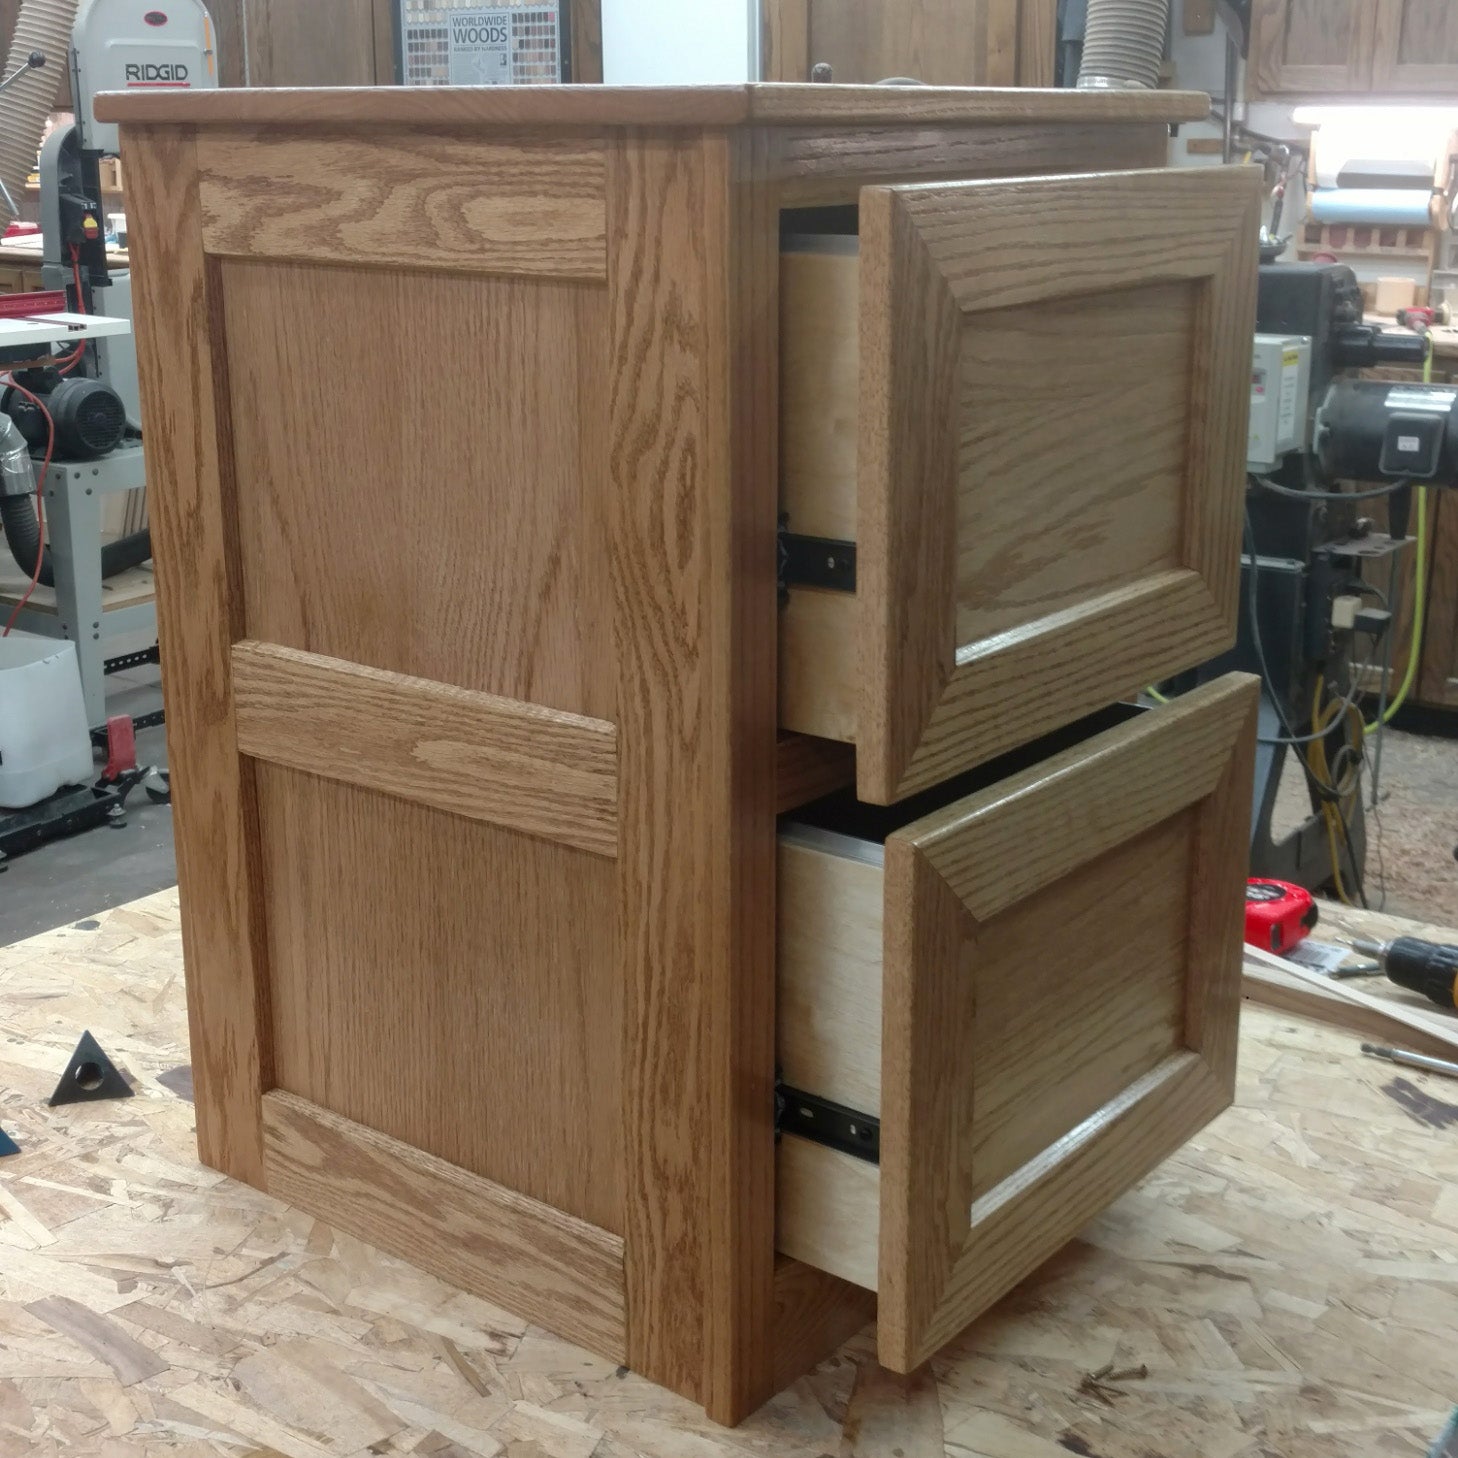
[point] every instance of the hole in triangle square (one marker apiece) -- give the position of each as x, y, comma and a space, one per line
88, 1076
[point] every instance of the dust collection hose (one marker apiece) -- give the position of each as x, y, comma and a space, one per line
46, 26
1123, 44
22, 528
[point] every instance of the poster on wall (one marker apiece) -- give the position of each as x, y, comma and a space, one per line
480, 47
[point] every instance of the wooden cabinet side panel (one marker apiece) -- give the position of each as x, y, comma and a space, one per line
180, 350
692, 284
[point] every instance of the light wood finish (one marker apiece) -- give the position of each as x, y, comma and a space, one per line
484, 523
1276, 983
814, 1314
487, 1239
806, 769
1311, 47
1438, 672
1415, 49
983, 966
990, 606
517, 765
200, 615
428, 204
624, 106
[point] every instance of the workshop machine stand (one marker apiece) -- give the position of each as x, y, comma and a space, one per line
75, 501
537, 650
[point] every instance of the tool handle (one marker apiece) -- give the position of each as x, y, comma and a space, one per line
1430, 968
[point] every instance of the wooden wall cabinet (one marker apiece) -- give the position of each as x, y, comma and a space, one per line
1353, 48
468, 478
940, 42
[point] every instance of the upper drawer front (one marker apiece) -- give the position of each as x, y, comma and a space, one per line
1050, 425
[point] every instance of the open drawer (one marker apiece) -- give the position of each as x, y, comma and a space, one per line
1020, 1003
1021, 406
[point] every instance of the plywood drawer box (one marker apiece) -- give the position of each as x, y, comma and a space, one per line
1034, 988
1023, 401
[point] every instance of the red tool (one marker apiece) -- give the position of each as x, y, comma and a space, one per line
1277, 914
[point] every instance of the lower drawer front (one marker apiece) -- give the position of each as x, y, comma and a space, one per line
1034, 989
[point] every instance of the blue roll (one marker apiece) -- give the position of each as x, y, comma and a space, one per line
1377, 207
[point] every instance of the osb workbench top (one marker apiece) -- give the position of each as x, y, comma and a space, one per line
1290, 1281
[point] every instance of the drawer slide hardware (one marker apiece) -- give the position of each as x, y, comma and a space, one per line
824, 1122
823, 562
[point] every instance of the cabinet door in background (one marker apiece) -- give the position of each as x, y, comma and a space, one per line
1416, 48
941, 42
1311, 47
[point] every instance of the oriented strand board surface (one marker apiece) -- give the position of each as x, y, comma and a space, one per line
1287, 1278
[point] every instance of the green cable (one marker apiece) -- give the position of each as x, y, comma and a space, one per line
1420, 583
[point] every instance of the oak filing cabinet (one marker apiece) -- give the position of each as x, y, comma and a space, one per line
588, 520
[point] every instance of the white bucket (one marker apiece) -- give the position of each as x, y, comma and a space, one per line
45, 741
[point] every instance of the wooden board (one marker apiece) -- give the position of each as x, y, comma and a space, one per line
523, 204
959, 655
547, 773
218, 1318
472, 1233
132, 588
449, 984
994, 876
454, 535
645, 106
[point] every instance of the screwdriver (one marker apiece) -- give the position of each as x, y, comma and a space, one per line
1430, 968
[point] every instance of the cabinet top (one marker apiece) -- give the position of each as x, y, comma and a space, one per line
686, 106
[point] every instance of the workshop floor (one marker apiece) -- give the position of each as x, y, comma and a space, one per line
72, 879
1411, 859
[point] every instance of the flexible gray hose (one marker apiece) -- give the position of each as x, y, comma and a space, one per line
43, 25
22, 526
1123, 44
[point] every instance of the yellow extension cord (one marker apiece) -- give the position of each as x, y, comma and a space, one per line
1321, 719
1419, 592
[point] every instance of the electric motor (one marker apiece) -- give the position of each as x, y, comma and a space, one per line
1376, 430
90, 418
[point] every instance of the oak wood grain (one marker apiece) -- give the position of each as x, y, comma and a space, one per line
517, 204
193, 493
940, 276
807, 768
814, 1314
490, 1240
449, 983
820, 165
1104, 1008
517, 765
634, 106
692, 298
418, 520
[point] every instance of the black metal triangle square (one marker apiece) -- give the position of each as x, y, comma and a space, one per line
7, 1145
89, 1077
